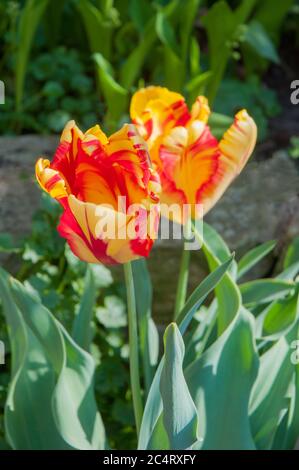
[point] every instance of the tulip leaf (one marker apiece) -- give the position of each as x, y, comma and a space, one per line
166, 32
277, 319
52, 379
82, 327
149, 337
191, 8
153, 406
115, 95
98, 29
30, 18
220, 382
199, 294
269, 394
131, 68
221, 24
140, 11
258, 39
227, 292
179, 412
265, 290
290, 273
250, 259
292, 254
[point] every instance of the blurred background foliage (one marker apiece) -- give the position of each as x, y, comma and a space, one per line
83, 59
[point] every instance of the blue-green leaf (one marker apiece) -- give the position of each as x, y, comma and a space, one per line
220, 382
179, 412
52, 379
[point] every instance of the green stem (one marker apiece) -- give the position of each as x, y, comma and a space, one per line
133, 346
181, 293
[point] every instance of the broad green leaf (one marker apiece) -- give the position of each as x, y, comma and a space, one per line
194, 58
173, 70
52, 379
292, 254
265, 290
269, 395
250, 259
257, 38
7, 244
221, 24
153, 406
82, 328
220, 382
187, 21
278, 318
30, 18
290, 273
197, 84
53, 20
292, 430
179, 412
98, 29
227, 292
131, 69
149, 337
115, 95
165, 31
140, 11
199, 294
32, 384
216, 244
271, 14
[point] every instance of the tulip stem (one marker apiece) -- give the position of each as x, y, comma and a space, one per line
133, 347
181, 293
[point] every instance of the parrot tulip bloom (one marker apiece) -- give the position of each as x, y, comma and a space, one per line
104, 182
195, 169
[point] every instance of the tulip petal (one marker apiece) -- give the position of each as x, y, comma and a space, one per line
50, 180
119, 168
66, 154
155, 110
189, 156
235, 149
200, 110
78, 225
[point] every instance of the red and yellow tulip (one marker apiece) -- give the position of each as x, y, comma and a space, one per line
195, 169
101, 181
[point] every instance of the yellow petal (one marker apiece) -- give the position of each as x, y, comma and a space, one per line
200, 110
50, 180
144, 96
235, 149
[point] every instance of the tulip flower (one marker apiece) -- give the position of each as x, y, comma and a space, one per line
109, 193
195, 169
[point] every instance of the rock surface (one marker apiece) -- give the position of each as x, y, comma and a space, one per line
261, 204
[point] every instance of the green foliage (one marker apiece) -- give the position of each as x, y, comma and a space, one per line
294, 149
60, 89
111, 48
51, 376
259, 100
82, 299
227, 379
